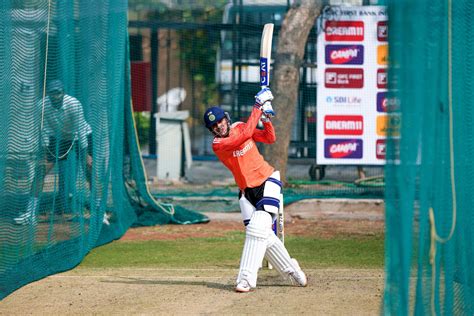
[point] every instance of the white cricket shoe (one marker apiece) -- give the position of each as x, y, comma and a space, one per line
298, 275
243, 287
25, 218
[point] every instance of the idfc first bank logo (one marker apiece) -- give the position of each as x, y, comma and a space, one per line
343, 148
349, 31
382, 31
344, 54
344, 78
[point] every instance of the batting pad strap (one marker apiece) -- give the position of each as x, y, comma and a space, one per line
267, 200
276, 181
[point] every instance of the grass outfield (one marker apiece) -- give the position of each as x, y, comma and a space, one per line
224, 252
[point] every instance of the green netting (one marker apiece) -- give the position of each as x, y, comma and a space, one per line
429, 177
224, 198
71, 176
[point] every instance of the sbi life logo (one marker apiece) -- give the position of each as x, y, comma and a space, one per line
346, 100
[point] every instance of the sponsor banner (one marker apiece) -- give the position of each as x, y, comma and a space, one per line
388, 125
381, 101
349, 31
380, 149
353, 105
343, 125
382, 31
382, 80
344, 54
344, 78
382, 54
344, 100
343, 148
386, 104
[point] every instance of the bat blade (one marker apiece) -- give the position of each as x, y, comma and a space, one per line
266, 54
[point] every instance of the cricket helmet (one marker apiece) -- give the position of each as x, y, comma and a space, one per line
213, 115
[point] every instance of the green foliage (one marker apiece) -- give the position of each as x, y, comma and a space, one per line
225, 252
198, 48
198, 11
142, 124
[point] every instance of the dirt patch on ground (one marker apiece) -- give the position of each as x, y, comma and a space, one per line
310, 218
325, 229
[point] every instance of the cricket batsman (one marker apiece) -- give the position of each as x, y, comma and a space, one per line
259, 189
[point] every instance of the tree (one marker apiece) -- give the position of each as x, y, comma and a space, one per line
298, 22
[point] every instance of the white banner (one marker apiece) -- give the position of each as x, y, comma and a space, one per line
352, 119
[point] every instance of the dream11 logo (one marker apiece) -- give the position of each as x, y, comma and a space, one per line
343, 125
350, 31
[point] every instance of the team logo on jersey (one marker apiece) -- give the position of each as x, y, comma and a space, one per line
344, 78
352, 31
344, 54
343, 124
343, 148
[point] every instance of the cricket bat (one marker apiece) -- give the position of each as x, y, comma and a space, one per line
266, 55
265, 59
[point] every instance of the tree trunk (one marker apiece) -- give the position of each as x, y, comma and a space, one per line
298, 22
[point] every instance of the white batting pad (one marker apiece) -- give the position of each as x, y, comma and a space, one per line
279, 257
246, 208
256, 240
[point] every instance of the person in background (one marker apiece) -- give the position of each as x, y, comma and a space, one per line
64, 131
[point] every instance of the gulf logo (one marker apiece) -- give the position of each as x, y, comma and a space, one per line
344, 54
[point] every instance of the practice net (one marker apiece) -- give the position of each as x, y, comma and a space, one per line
71, 175
429, 175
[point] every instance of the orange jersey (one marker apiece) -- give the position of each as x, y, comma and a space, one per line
240, 154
